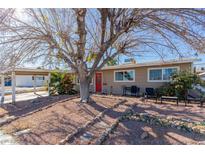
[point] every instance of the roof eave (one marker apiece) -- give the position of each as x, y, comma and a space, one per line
146, 64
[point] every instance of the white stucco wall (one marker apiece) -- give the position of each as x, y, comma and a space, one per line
26, 81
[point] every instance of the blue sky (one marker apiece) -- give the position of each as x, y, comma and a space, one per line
146, 58
148, 55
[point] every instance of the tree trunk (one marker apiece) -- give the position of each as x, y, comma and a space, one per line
84, 90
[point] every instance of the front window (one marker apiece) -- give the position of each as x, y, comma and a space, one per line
119, 76
127, 75
168, 72
38, 77
155, 74
161, 74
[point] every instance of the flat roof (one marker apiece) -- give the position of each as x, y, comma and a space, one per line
28, 71
122, 66
36, 70
154, 63
202, 74
31, 70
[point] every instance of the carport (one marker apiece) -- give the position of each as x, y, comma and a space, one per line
22, 71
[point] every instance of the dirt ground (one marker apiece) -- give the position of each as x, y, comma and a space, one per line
55, 123
129, 133
192, 111
11, 108
96, 130
51, 125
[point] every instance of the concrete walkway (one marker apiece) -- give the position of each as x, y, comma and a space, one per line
25, 96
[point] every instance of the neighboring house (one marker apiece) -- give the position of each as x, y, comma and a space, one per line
28, 81
29, 77
199, 69
23, 77
202, 76
111, 79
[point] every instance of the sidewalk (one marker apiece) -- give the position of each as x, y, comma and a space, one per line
6, 139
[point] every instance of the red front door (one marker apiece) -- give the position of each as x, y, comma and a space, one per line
98, 82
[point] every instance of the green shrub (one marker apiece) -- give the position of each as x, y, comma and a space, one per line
179, 84
167, 90
184, 81
61, 83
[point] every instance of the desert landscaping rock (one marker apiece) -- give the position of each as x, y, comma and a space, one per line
105, 135
7, 119
87, 136
98, 118
180, 124
144, 135
126, 135
25, 131
103, 124
162, 121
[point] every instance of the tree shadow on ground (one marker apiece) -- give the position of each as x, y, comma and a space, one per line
50, 131
162, 135
24, 107
172, 110
58, 126
129, 133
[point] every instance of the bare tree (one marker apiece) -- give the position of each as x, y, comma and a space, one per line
86, 39
5, 62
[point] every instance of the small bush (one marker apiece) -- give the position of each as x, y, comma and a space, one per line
179, 85
61, 83
167, 90
184, 81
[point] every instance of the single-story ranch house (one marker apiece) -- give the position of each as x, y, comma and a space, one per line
111, 79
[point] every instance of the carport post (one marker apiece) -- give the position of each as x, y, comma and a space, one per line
34, 84
2, 89
49, 80
13, 79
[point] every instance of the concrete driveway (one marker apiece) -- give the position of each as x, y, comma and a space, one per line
22, 89
25, 96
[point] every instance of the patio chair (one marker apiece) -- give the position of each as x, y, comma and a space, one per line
135, 91
123, 90
194, 95
150, 93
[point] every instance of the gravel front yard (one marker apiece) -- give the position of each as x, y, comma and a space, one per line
130, 132
53, 124
55, 118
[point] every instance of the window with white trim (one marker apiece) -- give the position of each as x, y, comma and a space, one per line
123, 76
38, 77
155, 74
161, 74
